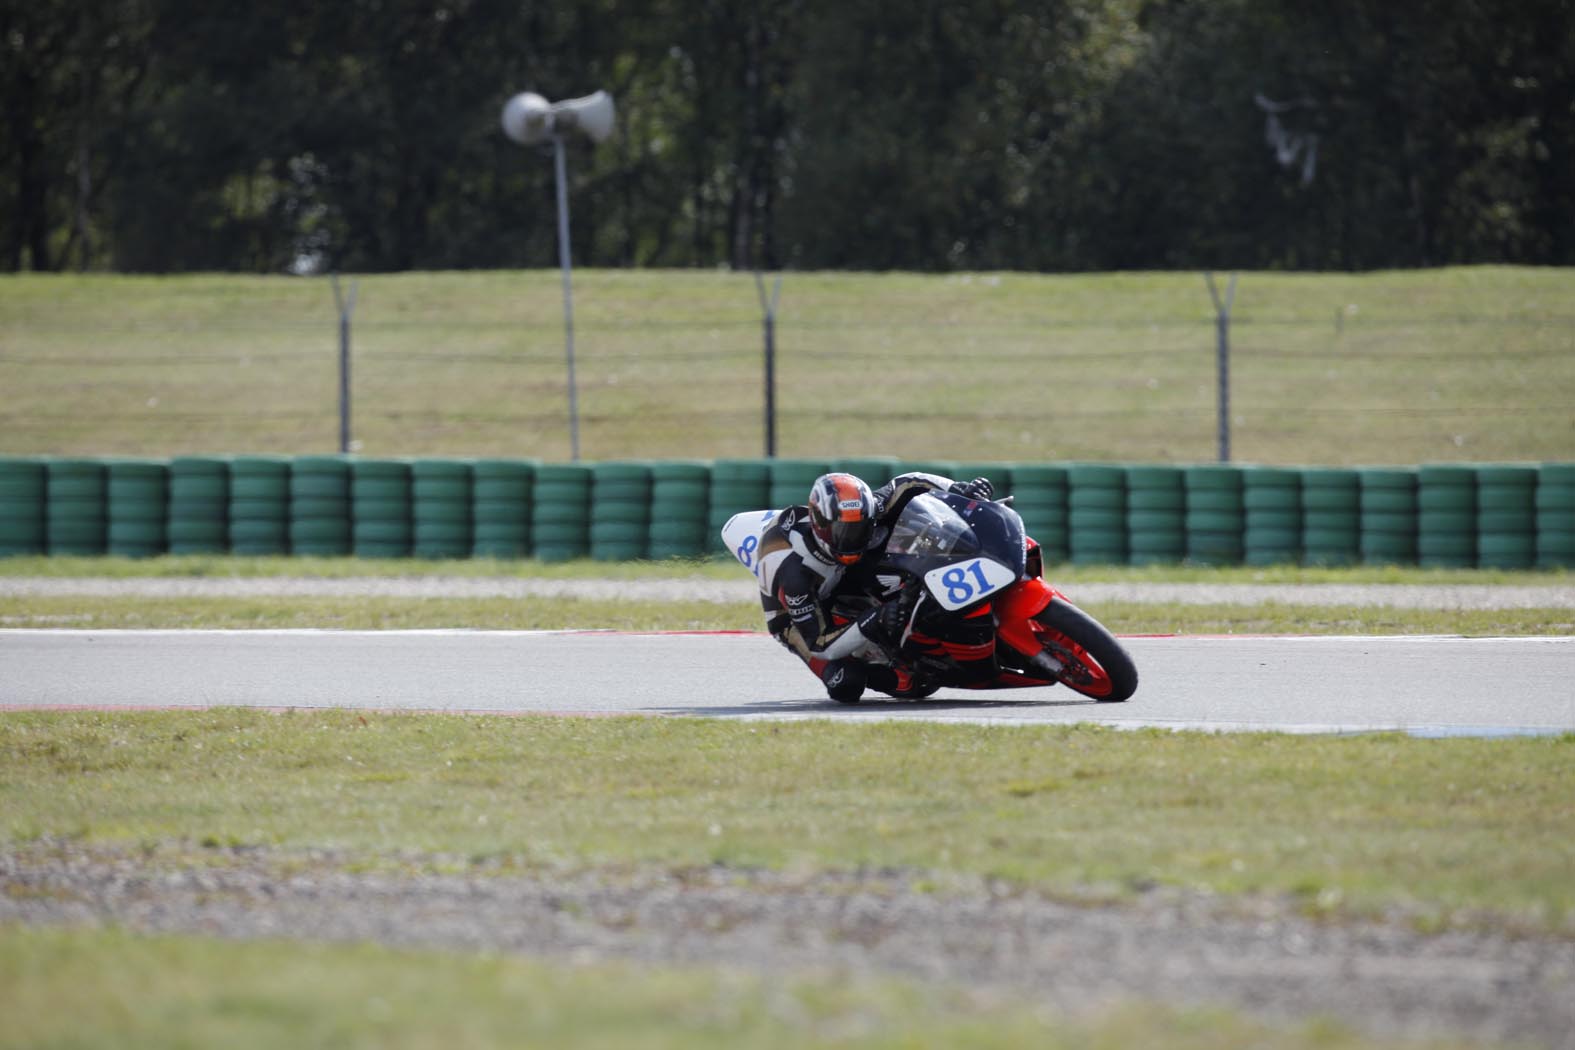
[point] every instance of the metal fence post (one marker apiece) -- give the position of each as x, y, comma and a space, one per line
346, 309
1222, 328
768, 307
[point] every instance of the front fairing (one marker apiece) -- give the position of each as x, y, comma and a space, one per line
938, 532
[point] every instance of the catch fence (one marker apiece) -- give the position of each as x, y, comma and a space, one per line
914, 376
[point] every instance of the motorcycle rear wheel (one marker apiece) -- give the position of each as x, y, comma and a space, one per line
1096, 664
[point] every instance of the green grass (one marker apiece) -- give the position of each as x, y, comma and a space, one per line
638, 614
722, 568
242, 566
1458, 364
586, 614
1442, 830
370, 614
107, 988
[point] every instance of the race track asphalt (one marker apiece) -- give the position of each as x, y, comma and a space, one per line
1421, 685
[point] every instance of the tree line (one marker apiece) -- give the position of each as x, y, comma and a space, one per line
178, 135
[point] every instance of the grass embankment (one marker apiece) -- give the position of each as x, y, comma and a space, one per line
159, 992
1457, 364
1438, 828
1442, 832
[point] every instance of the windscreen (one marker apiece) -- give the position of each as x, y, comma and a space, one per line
929, 528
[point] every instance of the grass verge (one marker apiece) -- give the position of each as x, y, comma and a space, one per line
238, 566
381, 613
109, 988
1440, 830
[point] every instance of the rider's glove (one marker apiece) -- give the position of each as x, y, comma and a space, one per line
978, 488
883, 624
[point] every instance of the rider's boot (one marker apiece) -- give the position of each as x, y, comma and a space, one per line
903, 685
844, 680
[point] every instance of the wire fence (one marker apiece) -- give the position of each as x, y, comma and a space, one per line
1341, 389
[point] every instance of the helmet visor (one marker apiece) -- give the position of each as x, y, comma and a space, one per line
844, 538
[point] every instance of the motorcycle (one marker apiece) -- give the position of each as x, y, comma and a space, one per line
949, 559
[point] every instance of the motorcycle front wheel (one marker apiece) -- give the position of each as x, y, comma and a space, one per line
1096, 664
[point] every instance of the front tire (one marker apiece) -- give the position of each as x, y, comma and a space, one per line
1096, 664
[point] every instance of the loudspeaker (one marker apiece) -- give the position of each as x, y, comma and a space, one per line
592, 114
528, 118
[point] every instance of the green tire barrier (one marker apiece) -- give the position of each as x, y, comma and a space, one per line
680, 509
1388, 511
1040, 495
441, 500
199, 502
259, 508
1506, 523
1446, 516
737, 485
76, 507
500, 507
137, 507
1271, 500
620, 511
1331, 517
1156, 514
875, 470
561, 512
320, 506
999, 475
1096, 514
380, 523
22, 502
944, 467
1512, 516
1555, 504
791, 479
1216, 515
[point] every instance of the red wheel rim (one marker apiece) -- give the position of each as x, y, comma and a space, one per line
1087, 676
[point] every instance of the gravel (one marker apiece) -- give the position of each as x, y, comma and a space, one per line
1410, 596
1260, 957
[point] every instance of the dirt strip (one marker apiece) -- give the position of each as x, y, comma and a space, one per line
1408, 596
1260, 957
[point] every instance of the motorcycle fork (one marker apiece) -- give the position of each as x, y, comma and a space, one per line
1014, 610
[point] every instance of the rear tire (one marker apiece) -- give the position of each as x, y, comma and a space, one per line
1096, 664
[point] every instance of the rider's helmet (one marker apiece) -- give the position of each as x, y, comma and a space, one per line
841, 517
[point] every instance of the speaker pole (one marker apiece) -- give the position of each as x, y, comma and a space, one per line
560, 168
530, 120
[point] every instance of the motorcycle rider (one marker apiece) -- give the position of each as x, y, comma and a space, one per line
818, 587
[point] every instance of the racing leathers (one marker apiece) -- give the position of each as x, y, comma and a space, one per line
824, 611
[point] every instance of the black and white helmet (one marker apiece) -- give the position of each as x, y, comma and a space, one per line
841, 517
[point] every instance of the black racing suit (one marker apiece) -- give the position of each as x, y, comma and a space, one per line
812, 603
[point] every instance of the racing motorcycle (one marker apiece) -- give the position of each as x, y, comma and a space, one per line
950, 558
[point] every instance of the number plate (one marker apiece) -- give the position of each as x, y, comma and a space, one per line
742, 536
956, 586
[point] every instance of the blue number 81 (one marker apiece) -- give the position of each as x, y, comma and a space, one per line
958, 589
955, 580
